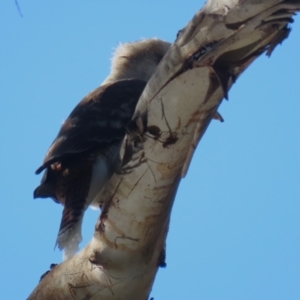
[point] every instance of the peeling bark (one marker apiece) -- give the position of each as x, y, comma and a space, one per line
209, 54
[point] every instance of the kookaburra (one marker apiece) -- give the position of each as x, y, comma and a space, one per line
85, 152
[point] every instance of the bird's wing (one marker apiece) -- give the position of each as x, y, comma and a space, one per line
99, 119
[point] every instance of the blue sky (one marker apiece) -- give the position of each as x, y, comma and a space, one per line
235, 226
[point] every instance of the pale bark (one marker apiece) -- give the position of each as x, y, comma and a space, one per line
216, 46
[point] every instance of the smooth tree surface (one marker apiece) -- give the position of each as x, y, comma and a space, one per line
234, 230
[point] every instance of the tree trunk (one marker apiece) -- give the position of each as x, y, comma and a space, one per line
216, 46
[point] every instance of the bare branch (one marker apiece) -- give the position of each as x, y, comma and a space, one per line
210, 53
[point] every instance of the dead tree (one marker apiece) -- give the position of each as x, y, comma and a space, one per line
209, 54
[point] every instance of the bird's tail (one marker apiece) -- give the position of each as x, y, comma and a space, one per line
69, 235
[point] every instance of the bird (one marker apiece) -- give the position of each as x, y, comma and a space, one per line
85, 153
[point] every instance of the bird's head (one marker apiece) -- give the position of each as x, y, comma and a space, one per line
137, 60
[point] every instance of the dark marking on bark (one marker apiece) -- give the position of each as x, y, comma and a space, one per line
279, 20
52, 266
213, 86
135, 162
278, 39
72, 289
125, 238
179, 33
155, 131
138, 125
153, 174
170, 140
135, 132
162, 259
100, 226
217, 116
237, 25
95, 260
223, 76
203, 50
164, 115
137, 182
